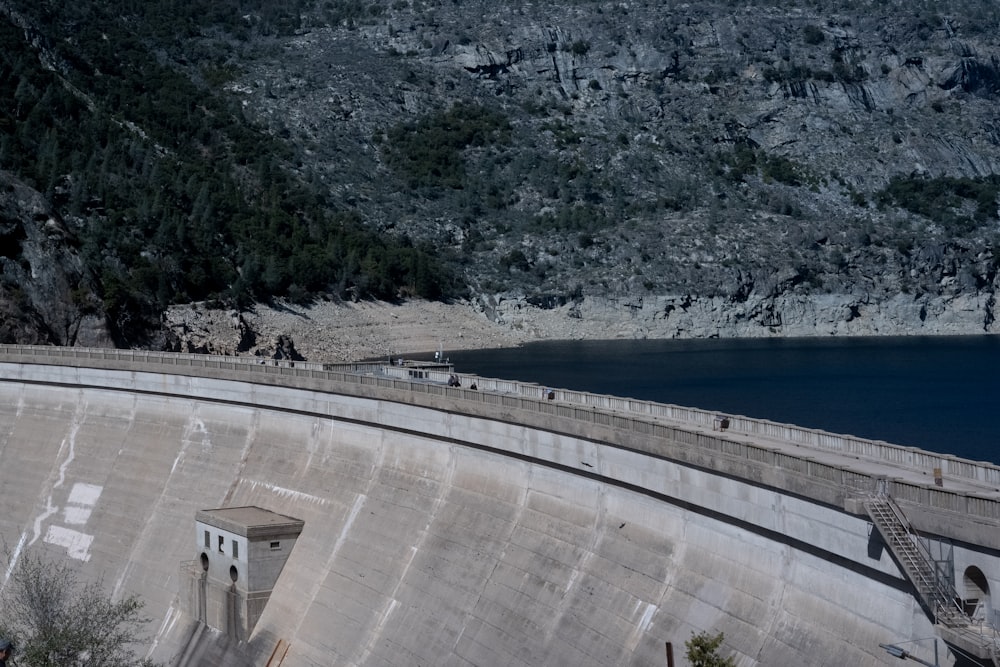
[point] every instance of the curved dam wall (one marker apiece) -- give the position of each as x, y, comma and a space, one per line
435, 532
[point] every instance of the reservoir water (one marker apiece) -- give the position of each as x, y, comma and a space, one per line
936, 393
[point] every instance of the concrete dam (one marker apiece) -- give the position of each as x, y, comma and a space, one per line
279, 514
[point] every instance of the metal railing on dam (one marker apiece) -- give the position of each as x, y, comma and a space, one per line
747, 444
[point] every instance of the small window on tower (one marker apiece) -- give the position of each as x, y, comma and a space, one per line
275, 546
208, 540
222, 544
236, 549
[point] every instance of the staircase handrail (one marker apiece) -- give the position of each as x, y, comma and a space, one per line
944, 597
990, 638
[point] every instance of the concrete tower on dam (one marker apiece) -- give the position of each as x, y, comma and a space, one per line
421, 523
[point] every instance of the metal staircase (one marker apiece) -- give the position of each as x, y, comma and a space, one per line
931, 580
933, 585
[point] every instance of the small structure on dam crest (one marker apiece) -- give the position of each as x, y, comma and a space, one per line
241, 552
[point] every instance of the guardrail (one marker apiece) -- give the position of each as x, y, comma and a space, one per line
655, 420
878, 451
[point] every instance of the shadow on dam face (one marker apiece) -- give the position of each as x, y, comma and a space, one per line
417, 549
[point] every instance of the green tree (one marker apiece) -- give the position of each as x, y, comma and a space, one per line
55, 620
429, 152
703, 651
812, 34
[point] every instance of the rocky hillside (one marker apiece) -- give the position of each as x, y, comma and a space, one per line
659, 168
43, 296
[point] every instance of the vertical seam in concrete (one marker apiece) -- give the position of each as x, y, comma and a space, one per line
776, 602
127, 569
579, 569
303, 611
185, 438
16, 554
652, 609
359, 501
500, 557
312, 445
148, 526
668, 580
18, 411
248, 444
387, 610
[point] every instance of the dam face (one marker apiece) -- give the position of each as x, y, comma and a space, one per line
434, 532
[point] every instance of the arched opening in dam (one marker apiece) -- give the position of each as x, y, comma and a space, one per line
438, 529
977, 592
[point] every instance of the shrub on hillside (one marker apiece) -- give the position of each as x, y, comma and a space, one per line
428, 152
953, 202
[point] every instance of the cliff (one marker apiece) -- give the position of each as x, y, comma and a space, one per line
645, 169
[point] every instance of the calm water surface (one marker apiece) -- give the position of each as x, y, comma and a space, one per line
941, 394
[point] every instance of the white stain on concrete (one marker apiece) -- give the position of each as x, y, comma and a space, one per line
36, 525
81, 502
647, 616
355, 508
166, 627
193, 427
77, 544
82, 498
177, 460
290, 494
13, 559
312, 445
196, 430
69, 446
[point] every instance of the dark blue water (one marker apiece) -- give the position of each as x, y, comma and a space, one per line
941, 394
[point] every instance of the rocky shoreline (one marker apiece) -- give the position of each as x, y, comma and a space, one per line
331, 331
336, 331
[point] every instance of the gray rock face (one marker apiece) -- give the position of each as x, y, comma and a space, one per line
672, 169
623, 175
45, 298
789, 315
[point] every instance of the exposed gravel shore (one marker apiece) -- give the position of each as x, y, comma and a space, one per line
343, 331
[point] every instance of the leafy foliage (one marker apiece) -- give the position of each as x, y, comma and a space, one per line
812, 34
796, 73
745, 160
55, 620
792, 73
703, 651
959, 203
428, 152
781, 169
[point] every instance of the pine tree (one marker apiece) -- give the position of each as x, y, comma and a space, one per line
703, 651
